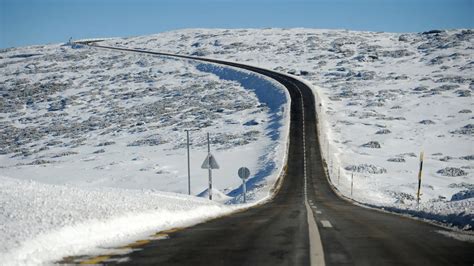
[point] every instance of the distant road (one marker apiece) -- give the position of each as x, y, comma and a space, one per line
280, 231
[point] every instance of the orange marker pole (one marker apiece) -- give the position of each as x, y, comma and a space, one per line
419, 178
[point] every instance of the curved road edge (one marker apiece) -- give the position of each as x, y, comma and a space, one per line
316, 253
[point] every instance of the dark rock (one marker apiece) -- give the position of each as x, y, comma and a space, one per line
432, 32
451, 171
462, 195
465, 130
467, 157
396, 160
383, 131
426, 122
371, 144
251, 123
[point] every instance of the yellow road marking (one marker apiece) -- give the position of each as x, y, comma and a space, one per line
137, 243
169, 231
161, 235
95, 260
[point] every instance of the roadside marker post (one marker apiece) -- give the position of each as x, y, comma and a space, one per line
338, 175
244, 173
189, 168
352, 182
330, 167
209, 164
189, 159
419, 178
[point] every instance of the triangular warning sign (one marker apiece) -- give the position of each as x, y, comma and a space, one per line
211, 162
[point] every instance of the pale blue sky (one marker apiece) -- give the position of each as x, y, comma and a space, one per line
25, 22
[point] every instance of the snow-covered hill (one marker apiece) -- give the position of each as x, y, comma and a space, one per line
384, 97
85, 128
93, 118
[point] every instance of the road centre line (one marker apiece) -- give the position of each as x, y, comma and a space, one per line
326, 223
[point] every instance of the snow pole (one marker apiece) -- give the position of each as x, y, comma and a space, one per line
189, 168
338, 175
352, 182
244, 187
209, 167
209, 164
419, 178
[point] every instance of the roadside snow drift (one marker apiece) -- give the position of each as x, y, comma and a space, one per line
42, 223
88, 137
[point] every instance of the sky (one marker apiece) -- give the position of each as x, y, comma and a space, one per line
28, 22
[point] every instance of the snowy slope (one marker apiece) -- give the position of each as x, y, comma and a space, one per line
385, 98
97, 118
82, 129
88, 137
38, 228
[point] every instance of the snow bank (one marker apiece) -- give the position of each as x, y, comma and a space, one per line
42, 223
89, 136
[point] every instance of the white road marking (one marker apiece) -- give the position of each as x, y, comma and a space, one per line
326, 223
318, 212
316, 253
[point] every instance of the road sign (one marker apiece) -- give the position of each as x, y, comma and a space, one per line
210, 162
244, 172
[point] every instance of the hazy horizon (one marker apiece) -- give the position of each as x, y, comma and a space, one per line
30, 22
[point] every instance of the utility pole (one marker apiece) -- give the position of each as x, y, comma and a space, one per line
209, 166
189, 167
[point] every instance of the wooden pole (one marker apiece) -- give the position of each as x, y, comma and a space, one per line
419, 178
352, 182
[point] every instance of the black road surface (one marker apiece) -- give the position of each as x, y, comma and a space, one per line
276, 233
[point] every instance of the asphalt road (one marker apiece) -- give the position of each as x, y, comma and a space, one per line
277, 233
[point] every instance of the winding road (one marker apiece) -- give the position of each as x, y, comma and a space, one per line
306, 223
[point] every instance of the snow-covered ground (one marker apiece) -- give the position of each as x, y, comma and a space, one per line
98, 118
38, 228
84, 130
102, 127
384, 97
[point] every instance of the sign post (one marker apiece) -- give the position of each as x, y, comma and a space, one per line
189, 168
209, 164
419, 178
244, 173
